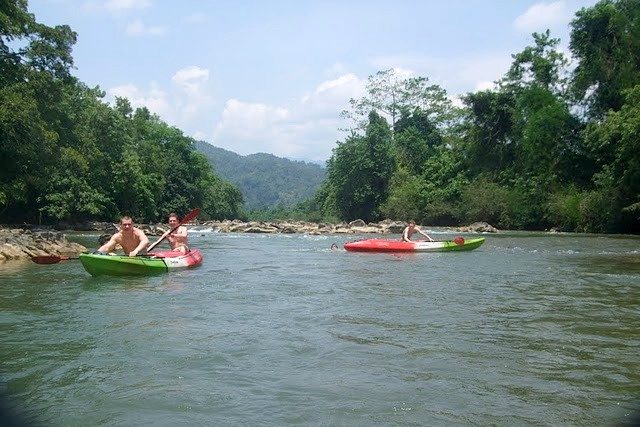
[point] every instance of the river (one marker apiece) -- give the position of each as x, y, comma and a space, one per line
529, 329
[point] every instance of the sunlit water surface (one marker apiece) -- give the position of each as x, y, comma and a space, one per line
529, 329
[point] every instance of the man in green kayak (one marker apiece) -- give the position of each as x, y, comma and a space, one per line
130, 238
410, 229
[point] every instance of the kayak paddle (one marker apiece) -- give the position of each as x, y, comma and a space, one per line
188, 217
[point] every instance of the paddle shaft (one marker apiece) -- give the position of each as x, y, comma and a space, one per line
188, 217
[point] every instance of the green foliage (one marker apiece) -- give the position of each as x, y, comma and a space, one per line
416, 139
66, 155
483, 200
605, 40
596, 213
444, 181
404, 199
524, 155
391, 95
360, 169
541, 65
616, 143
489, 130
562, 209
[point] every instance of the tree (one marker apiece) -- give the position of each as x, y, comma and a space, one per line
416, 139
391, 95
360, 169
26, 45
605, 40
489, 131
616, 139
541, 65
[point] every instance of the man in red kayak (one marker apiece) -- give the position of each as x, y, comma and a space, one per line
410, 229
130, 238
177, 239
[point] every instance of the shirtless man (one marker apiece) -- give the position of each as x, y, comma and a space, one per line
131, 239
177, 239
410, 229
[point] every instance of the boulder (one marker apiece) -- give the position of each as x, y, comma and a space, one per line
21, 244
478, 227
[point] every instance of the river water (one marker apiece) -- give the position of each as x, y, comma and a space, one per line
529, 329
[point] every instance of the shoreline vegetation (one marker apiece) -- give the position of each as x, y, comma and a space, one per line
23, 242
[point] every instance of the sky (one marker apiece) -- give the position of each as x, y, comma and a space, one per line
272, 76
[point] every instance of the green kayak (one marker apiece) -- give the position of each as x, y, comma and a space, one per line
156, 263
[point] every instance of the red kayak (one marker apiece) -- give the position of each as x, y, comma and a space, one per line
386, 245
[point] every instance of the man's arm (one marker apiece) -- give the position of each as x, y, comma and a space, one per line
110, 245
144, 242
426, 235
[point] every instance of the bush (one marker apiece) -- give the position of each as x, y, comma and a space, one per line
599, 211
484, 200
562, 210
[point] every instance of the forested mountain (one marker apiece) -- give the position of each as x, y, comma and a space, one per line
266, 181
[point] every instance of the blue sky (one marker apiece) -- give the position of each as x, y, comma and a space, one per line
273, 76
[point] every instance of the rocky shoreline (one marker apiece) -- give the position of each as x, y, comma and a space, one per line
353, 227
21, 244
27, 242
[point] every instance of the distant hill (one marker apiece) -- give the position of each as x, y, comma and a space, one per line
264, 179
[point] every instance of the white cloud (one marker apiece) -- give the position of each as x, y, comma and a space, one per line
119, 5
337, 69
456, 75
251, 120
305, 129
138, 28
336, 83
542, 16
199, 135
191, 78
247, 128
485, 86
192, 81
331, 96
153, 98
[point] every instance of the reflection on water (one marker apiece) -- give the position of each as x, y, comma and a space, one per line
528, 329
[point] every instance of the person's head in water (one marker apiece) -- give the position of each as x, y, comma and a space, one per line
334, 246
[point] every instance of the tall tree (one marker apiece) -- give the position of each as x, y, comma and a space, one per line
360, 169
620, 176
541, 65
391, 94
605, 40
